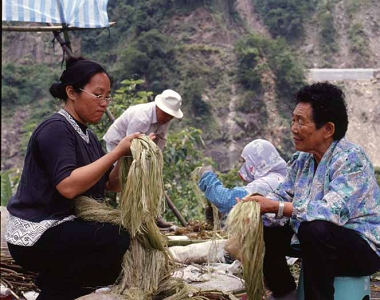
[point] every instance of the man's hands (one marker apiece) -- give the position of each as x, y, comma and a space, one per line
152, 136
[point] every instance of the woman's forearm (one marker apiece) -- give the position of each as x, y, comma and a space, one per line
113, 183
273, 207
83, 178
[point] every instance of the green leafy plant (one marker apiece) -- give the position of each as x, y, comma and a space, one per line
250, 65
150, 56
257, 55
358, 43
328, 35
17, 86
182, 154
9, 182
231, 178
284, 18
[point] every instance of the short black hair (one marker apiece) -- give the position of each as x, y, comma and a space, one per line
328, 104
78, 73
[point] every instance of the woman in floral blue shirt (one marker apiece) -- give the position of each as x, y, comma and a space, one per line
328, 205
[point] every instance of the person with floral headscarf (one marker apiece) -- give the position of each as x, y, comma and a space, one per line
263, 170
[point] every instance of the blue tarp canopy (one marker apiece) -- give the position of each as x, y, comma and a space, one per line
73, 13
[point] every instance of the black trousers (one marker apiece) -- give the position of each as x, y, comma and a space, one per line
327, 250
74, 258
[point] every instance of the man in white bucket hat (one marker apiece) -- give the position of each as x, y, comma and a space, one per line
153, 117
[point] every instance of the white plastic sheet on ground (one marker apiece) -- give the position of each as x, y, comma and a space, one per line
210, 251
216, 276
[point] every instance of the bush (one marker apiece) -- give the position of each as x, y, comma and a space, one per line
284, 18
328, 35
182, 154
150, 57
249, 66
252, 102
359, 41
22, 83
9, 95
257, 54
193, 94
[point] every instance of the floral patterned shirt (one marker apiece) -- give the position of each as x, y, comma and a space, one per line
341, 189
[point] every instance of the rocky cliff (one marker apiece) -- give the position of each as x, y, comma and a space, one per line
235, 128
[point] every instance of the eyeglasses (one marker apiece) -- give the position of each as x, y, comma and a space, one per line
101, 98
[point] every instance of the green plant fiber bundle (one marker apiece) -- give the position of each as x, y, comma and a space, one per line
244, 222
142, 197
147, 264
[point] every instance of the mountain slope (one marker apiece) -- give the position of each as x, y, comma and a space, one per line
204, 67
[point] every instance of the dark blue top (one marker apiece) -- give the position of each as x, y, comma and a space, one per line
55, 149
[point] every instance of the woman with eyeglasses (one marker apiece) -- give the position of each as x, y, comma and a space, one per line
64, 159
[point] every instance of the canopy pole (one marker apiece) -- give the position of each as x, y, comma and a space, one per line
65, 47
66, 36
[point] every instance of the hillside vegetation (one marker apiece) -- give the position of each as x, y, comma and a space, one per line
235, 62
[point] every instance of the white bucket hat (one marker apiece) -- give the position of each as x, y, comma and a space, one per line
170, 102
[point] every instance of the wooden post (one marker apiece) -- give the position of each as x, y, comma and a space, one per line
175, 211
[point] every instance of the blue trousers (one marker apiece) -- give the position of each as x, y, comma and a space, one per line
74, 258
327, 250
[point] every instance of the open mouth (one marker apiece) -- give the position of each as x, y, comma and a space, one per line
296, 140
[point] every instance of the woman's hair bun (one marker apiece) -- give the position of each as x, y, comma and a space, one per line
58, 90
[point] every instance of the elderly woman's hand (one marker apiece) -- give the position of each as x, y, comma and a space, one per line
266, 205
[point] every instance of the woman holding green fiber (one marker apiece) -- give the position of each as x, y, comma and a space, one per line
328, 204
64, 159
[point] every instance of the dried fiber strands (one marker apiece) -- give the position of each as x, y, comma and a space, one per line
147, 264
91, 210
142, 197
144, 271
203, 201
245, 224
